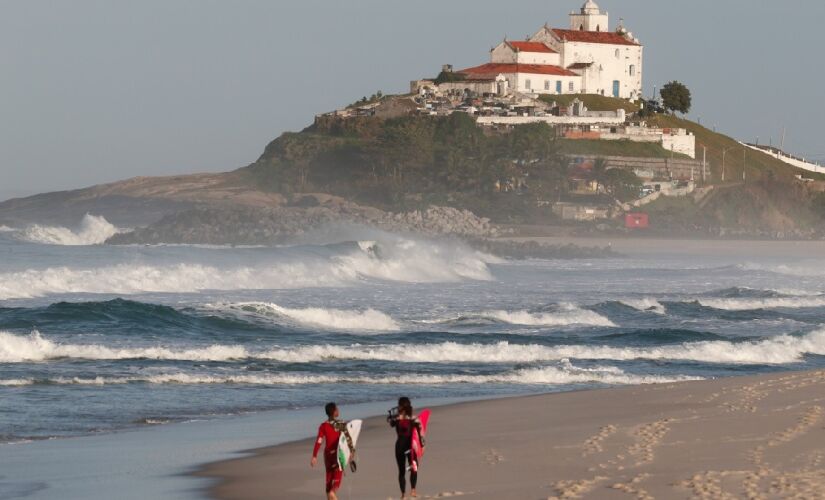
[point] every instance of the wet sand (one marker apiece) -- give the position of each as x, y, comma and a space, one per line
749, 437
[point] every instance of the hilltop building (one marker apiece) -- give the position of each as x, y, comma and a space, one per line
586, 58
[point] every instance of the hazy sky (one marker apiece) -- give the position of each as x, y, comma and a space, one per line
95, 91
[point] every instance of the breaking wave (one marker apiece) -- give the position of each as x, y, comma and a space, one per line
6, 229
814, 269
93, 230
765, 303
776, 350
417, 261
566, 315
369, 319
565, 374
404, 261
646, 304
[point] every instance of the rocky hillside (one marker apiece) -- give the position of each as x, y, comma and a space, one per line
248, 225
389, 172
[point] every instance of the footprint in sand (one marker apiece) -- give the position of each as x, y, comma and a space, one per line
633, 488
594, 443
493, 457
447, 494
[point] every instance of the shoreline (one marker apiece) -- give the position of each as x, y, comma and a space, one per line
752, 435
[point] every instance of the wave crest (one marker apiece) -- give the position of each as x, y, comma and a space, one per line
566, 316
551, 375
646, 305
410, 261
340, 319
782, 349
93, 230
766, 303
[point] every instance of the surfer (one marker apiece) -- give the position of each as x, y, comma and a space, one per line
330, 432
403, 420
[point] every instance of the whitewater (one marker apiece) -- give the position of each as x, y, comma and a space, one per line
165, 334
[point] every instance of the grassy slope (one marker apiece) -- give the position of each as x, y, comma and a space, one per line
758, 164
615, 148
593, 102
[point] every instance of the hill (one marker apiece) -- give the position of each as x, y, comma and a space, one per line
408, 163
724, 150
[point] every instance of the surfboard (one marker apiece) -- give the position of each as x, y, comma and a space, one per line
345, 454
417, 451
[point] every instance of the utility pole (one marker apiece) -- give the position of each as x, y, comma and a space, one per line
782, 144
744, 160
724, 154
704, 162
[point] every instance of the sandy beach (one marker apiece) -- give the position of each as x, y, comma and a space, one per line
748, 437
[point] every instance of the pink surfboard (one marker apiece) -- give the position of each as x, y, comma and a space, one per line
417, 451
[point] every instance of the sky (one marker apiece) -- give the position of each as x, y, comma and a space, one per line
97, 91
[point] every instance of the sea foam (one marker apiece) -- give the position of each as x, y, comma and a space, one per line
749, 304
408, 261
781, 349
93, 230
646, 305
567, 315
550, 375
324, 318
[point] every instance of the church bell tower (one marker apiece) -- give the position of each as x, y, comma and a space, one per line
590, 18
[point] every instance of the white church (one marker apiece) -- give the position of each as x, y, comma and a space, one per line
587, 58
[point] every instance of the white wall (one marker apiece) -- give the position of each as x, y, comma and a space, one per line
684, 144
537, 83
552, 120
607, 67
804, 165
610, 63
504, 54
550, 58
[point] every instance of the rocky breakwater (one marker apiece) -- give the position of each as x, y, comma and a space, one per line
244, 225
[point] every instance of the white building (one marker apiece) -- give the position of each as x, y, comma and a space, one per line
586, 58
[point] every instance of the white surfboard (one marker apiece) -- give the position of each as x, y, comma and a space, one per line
344, 452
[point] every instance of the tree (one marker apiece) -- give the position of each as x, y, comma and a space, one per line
599, 171
676, 97
622, 184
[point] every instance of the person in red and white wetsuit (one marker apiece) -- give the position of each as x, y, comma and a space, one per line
328, 432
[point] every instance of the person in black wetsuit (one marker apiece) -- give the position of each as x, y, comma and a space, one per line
404, 422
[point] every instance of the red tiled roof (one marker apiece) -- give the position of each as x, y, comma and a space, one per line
532, 47
593, 37
534, 69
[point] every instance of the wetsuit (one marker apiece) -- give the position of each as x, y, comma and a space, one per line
403, 442
327, 432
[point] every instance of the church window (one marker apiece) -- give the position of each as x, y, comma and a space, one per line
598, 27
581, 27
618, 53
632, 70
571, 86
528, 85
546, 84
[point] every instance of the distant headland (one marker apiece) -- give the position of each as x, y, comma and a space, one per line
553, 135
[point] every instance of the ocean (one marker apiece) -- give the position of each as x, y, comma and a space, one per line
100, 340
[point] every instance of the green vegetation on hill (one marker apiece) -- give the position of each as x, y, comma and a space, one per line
615, 148
407, 162
758, 164
594, 102
515, 175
